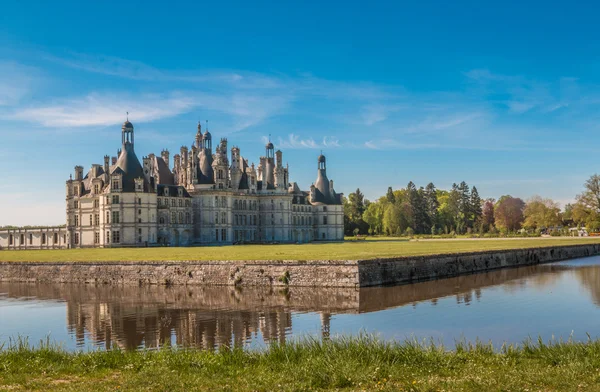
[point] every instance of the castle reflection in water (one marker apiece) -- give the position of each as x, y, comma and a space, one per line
215, 317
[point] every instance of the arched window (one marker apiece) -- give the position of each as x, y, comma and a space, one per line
161, 220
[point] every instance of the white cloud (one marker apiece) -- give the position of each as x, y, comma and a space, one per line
16, 81
295, 142
104, 109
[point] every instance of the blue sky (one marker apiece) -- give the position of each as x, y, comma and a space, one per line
505, 96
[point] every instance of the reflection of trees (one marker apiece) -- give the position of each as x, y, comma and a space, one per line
589, 276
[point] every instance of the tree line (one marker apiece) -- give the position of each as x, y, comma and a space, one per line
460, 210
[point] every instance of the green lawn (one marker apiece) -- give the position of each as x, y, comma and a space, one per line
347, 364
318, 251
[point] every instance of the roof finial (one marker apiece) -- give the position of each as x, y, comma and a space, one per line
207, 125
127, 116
269, 138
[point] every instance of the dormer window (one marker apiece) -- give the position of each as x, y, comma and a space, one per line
180, 192
97, 188
115, 184
166, 191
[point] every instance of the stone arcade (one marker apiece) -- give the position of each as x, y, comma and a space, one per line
206, 197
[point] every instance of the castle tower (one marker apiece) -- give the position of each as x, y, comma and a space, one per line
236, 168
165, 157
269, 174
205, 170
279, 171
199, 136
221, 166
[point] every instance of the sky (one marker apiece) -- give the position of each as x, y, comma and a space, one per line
502, 95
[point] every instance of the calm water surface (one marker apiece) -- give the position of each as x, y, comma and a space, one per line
552, 300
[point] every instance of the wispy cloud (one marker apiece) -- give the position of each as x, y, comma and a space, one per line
104, 109
295, 142
16, 81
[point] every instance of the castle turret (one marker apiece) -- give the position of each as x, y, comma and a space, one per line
78, 173
269, 174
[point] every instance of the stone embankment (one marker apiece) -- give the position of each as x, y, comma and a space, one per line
315, 273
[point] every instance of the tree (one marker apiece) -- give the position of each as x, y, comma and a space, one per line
465, 206
541, 213
354, 207
487, 215
390, 195
431, 205
475, 207
508, 213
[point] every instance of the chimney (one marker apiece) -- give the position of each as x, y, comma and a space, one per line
106, 161
114, 160
165, 156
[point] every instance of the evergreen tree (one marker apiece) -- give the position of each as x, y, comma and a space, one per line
464, 207
476, 206
431, 205
412, 201
390, 195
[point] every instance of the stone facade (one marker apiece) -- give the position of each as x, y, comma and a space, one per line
205, 197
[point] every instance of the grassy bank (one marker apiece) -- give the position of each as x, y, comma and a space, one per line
324, 251
345, 364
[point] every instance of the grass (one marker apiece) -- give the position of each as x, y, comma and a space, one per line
345, 364
349, 250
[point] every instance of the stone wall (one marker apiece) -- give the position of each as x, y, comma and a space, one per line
314, 273
414, 269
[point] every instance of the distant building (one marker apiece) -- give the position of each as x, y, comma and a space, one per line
206, 197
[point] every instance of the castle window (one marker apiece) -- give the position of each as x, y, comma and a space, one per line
216, 201
115, 184
161, 220
166, 191
108, 237
180, 203
235, 204
76, 239
324, 209
294, 220
223, 202
302, 219
216, 218
244, 204
217, 235
324, 220
223, 235
96, 219
115, 199
107, 217
223, 218
139, 220
43, 238
76, 204
116, 239
115, 216
188, 203
30, 239
236, 220
173, 218
96, 188
10, 239
96, 238
180, 192
188, 218
139, 186
181, 217
96, 203
139, 212
55, 238
172, 202
90, 219
64, 238
140, 231
76, 220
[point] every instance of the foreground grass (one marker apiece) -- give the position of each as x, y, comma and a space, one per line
362, 363
324, 251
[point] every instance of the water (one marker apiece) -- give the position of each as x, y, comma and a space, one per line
559, 300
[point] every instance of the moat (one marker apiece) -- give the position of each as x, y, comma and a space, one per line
558, 300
